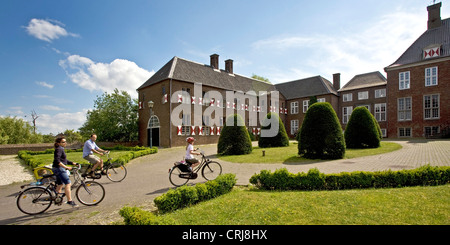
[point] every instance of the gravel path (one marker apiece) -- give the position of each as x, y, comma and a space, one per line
11, 170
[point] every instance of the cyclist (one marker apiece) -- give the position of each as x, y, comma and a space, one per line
189, 158
88, 154
60, 168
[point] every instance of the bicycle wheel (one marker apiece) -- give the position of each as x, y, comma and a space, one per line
90, 193
116, 173
34, 200
211, 170
174, 177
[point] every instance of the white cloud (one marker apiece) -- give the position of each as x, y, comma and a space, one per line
44, 84
121, 74
50, 108
59, 122
350, 54
47, 30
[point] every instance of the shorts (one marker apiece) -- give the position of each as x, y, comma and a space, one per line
61, 176
191, 161
93, 159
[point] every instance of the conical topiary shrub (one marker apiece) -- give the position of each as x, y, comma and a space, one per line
362, 130
321, 134
234, 139
279, 140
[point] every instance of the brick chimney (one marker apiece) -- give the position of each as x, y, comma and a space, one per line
337, 81
434, 16
229, 66
215, 61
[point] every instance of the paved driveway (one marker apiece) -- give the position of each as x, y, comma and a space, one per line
148, 178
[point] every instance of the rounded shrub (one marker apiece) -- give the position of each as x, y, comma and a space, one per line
362, 130
234, 139
279, 140
321, 135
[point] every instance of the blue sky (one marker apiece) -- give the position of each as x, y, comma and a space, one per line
57, 56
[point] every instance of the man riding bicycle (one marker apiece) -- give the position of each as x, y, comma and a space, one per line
88, 154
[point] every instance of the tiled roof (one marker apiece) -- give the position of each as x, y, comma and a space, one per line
366, 80
435, 36
189, 71
307, 87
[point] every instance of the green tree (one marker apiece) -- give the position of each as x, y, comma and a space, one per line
260, 78
234, 139
114, 118
321, 135
362, 130
279, 140
14, 130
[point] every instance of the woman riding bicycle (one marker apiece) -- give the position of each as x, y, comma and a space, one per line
60, 168
189, 158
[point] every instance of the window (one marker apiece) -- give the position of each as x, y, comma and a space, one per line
363, 95
321, 100
383, 132
347, 97
430, 131
403, 80
431, 106
294, 127
346, 112
404, 132
380, 93
294, 107
431, 76
380, 112
404, 109
305, 105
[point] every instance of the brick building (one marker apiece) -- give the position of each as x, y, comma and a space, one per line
418, 83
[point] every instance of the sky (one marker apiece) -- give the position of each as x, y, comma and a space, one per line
58, 56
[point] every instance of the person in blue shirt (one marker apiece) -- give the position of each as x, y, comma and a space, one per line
88, 154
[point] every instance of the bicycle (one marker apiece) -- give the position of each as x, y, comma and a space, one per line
116, 172
180, 173
38, 199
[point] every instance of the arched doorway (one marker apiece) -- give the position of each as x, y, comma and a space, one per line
153, 130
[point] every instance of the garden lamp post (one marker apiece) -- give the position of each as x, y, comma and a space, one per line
150, 105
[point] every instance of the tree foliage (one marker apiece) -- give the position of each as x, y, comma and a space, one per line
15, 130
234, 139
321, 134
279, 140
114, 118
362, 130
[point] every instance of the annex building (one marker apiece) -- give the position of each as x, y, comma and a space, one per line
412, 102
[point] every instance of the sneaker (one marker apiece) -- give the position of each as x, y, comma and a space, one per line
72, 203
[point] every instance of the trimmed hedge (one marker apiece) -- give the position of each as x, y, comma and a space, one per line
136, 151
189, 195
234, 139
281, 179
279, 140
137, 216
362, 130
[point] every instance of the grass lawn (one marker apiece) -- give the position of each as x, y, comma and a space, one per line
396, 206
289, 154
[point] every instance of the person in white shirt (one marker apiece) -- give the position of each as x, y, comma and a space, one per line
189, 158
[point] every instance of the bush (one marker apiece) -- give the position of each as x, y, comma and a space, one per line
281, 179
279, 140
137, 216
321, 135
234, 140
362, 130
189, 195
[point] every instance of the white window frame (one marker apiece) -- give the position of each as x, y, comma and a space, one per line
380, 112
294, 127
404, 112
347, 97
407, 132
294, 107
431, 110
305, 105
380, 93
404, 80
345, 113
364, 95
431, 76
